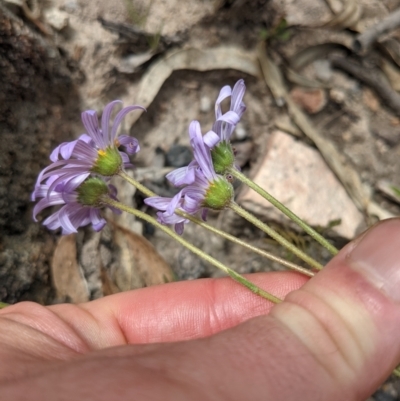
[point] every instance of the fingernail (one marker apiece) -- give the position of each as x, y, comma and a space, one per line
377, 257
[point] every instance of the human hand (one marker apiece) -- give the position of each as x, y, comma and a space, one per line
334, 338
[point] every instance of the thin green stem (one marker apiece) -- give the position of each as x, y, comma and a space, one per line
223, 234
234, 275
136, 184
3, 305
396, 372
272, 233
244, 244
310, 231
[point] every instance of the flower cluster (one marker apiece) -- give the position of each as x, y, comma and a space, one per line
204, 183
76, 176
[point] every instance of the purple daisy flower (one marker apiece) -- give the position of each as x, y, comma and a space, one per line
206, 189
81, 203
218, 138
96, 151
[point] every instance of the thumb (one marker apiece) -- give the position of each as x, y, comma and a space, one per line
335, 338
346, 320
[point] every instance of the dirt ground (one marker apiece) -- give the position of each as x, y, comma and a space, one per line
59, 57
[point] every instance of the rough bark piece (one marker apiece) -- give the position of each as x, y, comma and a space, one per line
37, 101
297, 176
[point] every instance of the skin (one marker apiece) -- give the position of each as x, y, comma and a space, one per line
334, 337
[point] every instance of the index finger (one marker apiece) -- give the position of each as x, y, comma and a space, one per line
173, 312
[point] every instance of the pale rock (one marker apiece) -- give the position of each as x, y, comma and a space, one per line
323, 70
56, 18
297, 176
337, 95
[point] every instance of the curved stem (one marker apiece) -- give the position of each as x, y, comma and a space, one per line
223, 234
236, 276
272, 233
310, 231
3, 305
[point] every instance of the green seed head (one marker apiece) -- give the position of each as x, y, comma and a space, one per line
223, 157
219, 194
91, 191
108, 163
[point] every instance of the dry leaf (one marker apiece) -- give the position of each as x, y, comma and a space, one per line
347, 17
68, 279
138, 263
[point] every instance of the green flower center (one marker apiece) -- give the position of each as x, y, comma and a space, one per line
91, 191
218, 194
108, 162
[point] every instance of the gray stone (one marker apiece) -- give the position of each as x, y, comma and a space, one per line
297, 176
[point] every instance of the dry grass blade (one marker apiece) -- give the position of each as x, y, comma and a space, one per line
347, 18
272, 76
312, 53
390, 190
392, 72
298, 79
391, 49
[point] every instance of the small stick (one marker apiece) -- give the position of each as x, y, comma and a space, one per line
364, 40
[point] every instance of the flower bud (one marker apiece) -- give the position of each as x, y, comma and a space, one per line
223, 157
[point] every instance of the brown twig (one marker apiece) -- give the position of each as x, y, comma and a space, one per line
370, 77
364, 41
